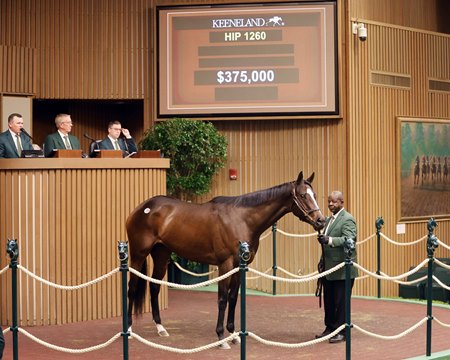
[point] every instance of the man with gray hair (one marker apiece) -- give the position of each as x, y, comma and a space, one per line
61, 139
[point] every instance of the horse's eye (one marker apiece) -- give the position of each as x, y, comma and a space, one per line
303, 196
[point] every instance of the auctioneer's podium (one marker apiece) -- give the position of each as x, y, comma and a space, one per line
67, 215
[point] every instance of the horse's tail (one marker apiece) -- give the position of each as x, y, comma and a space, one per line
141, 287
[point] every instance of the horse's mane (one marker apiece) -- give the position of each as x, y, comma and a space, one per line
254, 198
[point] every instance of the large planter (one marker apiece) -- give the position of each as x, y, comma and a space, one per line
178, 276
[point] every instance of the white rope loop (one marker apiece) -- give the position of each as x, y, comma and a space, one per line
403, 244
401, 276
69, 350
193, 273
296, 345
184, 351
182, 286
67, 287
4, 269
392, 337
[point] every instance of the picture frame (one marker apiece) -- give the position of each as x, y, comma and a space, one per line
423, 164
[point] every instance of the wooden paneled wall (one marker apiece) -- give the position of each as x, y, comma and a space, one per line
373, 138
85, 49
103, 50
68, 216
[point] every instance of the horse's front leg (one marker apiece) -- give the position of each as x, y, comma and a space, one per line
224, 286
232, 301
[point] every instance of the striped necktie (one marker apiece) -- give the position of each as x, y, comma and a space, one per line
67, 142
19, 145
116, 145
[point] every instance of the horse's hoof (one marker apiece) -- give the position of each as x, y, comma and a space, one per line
224, 346
236, 341
161, 330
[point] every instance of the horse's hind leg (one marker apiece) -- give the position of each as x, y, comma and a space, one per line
222, 301
160, 255
232, 301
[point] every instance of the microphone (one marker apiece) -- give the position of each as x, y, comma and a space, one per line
25, 132
88, 137
93, 140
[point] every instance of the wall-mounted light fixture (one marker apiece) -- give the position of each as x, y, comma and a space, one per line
360, 30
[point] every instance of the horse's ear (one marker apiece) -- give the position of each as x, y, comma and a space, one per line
300, 177
311, 178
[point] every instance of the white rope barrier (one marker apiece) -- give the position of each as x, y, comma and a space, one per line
193, 273
6, 330
411, 282
182, 286
263, 236
441, 323
257, 277
69, 350
403, 244
401, 276
295, 275
392, 337
443, 244
440, 263
366, 239
296, 235
4, 269
184, 351
312, 277
435, 278
67, 287
297, 345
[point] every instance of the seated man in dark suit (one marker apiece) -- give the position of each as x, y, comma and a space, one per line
114, 142
12, 142
61, 139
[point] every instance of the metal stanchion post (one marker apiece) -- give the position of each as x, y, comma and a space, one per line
349, 248
274, 251
244, 256
432, 244
123, 256
378, 224
13, 251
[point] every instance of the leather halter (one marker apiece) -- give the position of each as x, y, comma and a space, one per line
305, 214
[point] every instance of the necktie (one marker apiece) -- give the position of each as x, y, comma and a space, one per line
329, 225
19, 145
67, 142
116, 145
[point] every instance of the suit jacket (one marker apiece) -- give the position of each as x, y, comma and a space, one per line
54, 141
129, 145
344, 226
8, 147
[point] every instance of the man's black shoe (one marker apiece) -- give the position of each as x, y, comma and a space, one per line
337, 338
326, 332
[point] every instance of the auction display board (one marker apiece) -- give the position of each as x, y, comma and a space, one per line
246, 60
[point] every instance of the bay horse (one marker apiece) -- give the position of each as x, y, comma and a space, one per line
209, 233
416, 171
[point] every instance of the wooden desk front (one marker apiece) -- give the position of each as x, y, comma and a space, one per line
68, 215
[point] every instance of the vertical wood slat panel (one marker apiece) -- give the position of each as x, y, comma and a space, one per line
78, 57
373, 137
82, 214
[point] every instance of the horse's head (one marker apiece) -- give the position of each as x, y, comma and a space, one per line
304, 204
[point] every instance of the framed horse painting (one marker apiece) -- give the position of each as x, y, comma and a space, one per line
423, 168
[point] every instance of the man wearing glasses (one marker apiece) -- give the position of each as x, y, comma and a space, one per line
61, 139
114, 142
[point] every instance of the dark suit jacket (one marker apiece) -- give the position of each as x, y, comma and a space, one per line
130, 145
8, 147
343, 227
54, 141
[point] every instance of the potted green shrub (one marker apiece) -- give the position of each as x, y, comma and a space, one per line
197, 151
